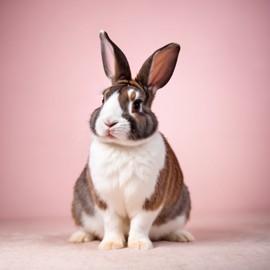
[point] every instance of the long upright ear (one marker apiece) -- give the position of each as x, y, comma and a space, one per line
115, 63
158, 68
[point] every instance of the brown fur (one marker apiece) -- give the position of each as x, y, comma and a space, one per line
133, 96
169, 184
82, 201
170, 191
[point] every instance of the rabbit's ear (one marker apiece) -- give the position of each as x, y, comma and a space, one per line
115, 63
158, 68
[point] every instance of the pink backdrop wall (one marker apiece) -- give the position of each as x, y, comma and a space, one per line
215, 110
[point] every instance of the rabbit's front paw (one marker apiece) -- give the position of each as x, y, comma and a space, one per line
111, 244
143, 243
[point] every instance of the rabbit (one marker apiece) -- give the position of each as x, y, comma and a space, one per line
131, 191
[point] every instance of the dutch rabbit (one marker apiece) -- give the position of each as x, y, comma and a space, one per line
131, 190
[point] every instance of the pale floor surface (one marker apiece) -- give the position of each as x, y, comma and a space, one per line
242, 242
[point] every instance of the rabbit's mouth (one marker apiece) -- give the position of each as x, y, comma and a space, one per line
110, 133
110, 136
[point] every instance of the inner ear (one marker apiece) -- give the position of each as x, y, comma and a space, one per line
162, 69
108, 58
115, 63
158, 68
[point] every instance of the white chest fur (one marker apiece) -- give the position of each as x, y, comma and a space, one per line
124, 176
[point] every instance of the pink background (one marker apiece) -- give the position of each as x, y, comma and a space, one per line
214, 111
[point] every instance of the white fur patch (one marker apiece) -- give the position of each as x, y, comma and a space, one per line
93, 224
158, 232
125, 176
111, 112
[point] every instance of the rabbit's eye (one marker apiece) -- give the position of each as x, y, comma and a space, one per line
136, 105
103, 100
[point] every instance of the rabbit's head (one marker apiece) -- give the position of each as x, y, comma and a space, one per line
125, 116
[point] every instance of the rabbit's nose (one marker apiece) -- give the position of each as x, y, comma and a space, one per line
110, 124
